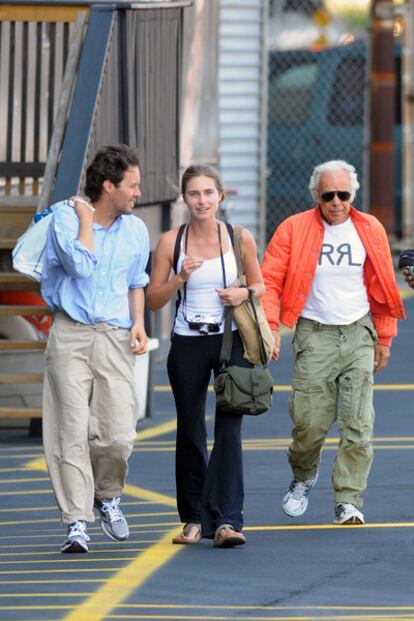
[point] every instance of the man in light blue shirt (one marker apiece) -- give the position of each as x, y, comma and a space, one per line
93, 279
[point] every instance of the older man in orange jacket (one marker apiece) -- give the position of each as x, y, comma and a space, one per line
329, 271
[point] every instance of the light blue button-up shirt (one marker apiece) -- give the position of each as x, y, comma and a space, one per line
92, 287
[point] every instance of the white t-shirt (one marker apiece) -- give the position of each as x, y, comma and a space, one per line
338, 294
202, 298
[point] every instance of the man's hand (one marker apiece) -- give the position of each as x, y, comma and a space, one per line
82, 206
382, 354
276, 348
138, 341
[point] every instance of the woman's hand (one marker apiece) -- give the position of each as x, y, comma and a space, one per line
233, 296
189, 265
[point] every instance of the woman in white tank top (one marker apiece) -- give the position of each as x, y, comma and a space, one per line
209, 490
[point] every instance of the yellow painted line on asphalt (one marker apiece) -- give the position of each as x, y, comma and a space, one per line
25, 480
51, 595
161, 388
344, 608
159, 430
24, 492
23, 449
119, 587
394, 387
267, 607
288, 387
73, 616
126, 580
21, 522
276, 447
53, 520
86, 559
143, 529
37, 464
406, 293
263, 441
175, 617
17, 456
53, 508
49, 581
26, 509
45, 553
5, 470
279, 617
99, 545
330, 526
145, 494
67, 570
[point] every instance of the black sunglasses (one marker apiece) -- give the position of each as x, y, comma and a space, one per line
343, 195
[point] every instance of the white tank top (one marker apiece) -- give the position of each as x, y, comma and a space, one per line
338, 294
201, 296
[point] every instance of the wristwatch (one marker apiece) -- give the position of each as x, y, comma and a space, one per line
249, 289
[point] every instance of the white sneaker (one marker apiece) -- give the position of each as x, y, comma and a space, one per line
295, 501
346, 513
77, 538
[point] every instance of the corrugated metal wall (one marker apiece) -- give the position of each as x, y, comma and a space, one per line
242, 104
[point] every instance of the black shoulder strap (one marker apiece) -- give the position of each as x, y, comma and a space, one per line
177, 247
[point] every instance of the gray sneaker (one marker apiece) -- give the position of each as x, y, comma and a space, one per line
113, 522
295, 501
77, 538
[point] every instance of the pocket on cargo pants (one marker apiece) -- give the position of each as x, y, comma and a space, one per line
355, 406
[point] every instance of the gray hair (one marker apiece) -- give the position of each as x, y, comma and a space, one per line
333, 166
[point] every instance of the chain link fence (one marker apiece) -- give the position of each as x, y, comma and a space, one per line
317, 99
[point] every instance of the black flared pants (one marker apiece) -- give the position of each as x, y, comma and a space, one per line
209, 490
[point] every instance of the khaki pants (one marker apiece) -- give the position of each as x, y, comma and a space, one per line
89, 413
333, 380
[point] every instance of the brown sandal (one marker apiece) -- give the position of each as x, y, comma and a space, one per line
190, 534
227, 537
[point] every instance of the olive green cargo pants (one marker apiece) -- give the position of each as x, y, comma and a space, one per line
333, 380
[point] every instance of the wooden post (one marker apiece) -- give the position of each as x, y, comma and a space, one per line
407, 86
382, 175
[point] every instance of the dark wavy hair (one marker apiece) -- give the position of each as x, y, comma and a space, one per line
109, 163
201, 170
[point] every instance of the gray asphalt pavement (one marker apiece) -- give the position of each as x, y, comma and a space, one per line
293, 569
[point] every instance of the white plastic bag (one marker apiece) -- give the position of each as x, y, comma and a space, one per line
28, 252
